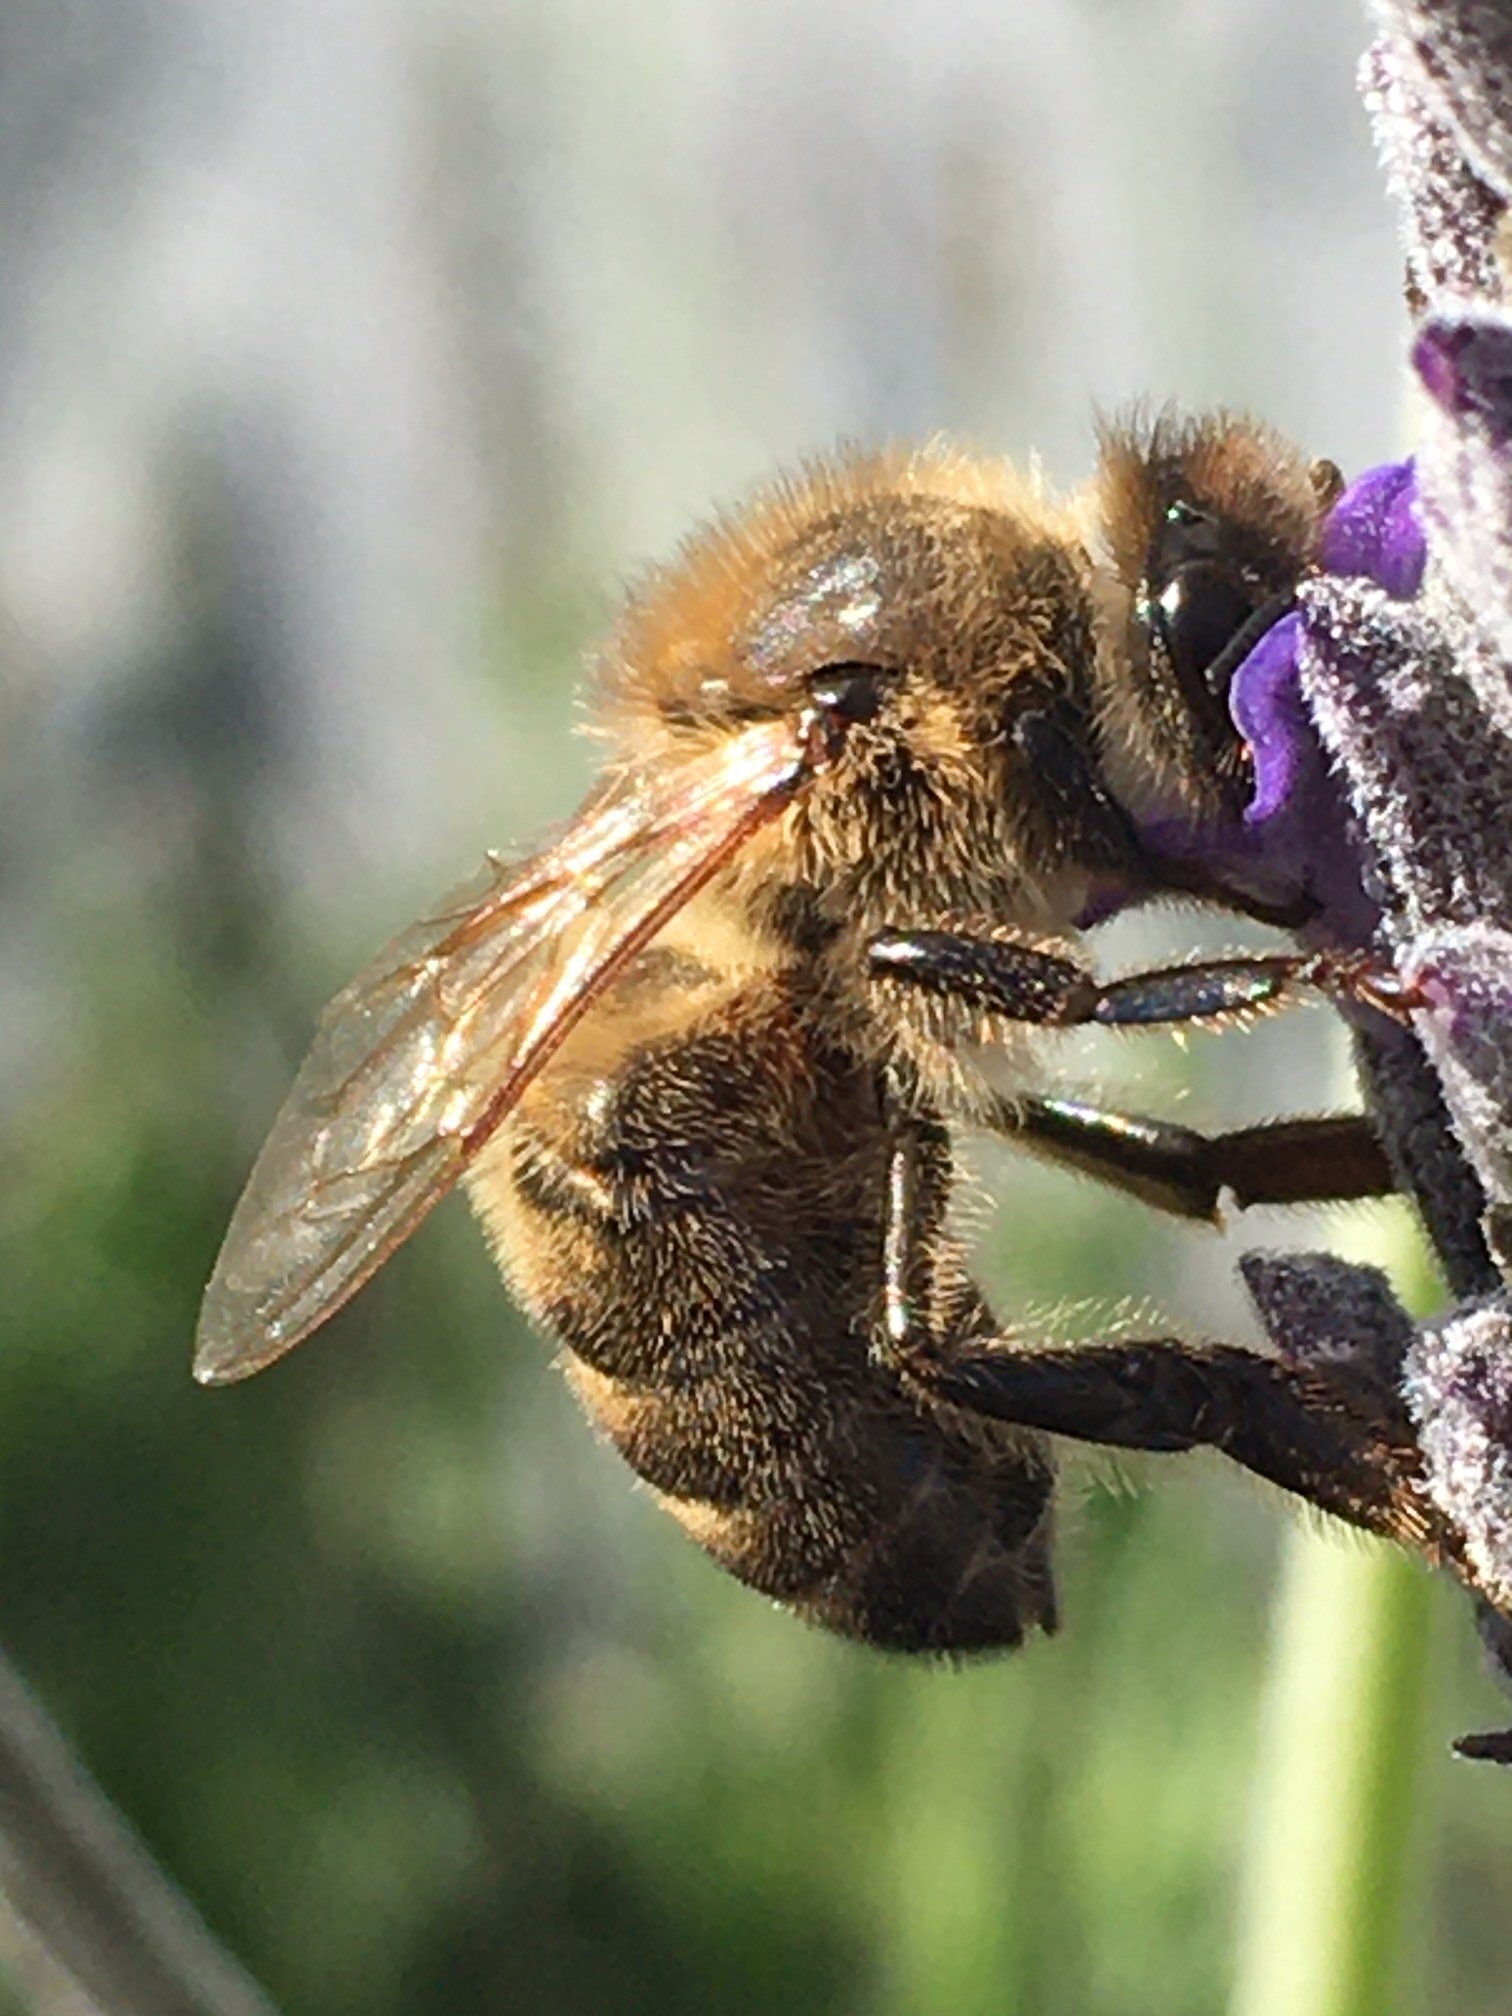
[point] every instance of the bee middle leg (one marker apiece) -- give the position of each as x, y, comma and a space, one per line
1327, 1158
1323, 1432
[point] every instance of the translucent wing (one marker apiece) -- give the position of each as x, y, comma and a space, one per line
417, 1061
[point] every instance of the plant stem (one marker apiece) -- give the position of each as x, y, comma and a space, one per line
87, 1896
1323, 1894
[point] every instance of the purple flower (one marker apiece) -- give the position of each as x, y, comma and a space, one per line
1375, 531
1298, 812
1270, 713
1380, 717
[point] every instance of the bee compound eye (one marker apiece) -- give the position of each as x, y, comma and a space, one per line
849, 694
1199, 613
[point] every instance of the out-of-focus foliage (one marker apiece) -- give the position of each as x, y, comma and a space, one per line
347, 356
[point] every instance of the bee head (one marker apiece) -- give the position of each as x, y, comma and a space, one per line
1202, 529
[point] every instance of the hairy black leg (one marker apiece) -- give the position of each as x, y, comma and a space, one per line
1027, 984
1323, 1432
1177, 1169
1320, 1431
920, 1171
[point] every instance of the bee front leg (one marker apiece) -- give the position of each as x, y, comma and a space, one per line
1293, 1161
1024, 983
1319, 1431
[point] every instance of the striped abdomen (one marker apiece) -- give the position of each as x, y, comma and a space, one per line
696, 1212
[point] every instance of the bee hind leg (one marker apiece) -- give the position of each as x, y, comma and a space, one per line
1318, 1431
1321, 1437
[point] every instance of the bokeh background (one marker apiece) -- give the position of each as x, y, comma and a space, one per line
351, 353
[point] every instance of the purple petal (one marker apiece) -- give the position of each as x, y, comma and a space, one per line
1459, 1387
1375, 530
1296, 821
1465, 364
1266, 703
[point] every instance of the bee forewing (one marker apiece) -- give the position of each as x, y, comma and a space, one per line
418, 1059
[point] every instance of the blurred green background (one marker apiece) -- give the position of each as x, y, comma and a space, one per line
349, 355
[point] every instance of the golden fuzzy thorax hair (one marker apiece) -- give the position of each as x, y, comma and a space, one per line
970, 574
958, 576
900, 558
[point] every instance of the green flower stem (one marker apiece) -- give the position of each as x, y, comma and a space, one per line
1322, 1904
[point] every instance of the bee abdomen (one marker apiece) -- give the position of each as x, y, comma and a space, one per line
701, 1228
964, 1568
868, 1515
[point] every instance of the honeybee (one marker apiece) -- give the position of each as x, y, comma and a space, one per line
876, 751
